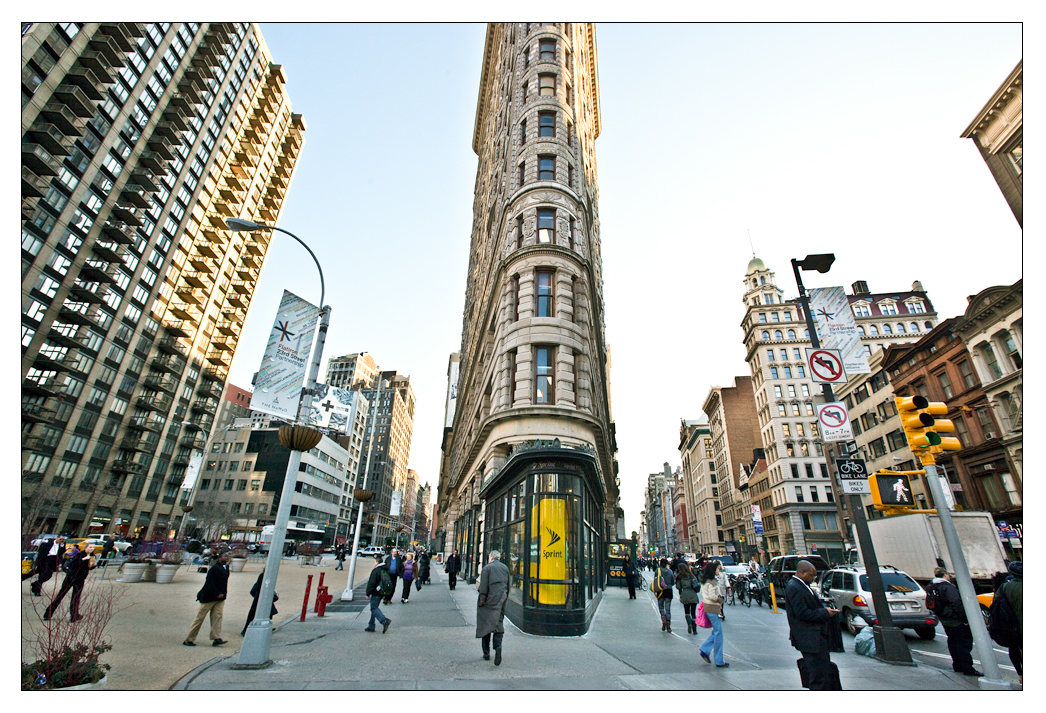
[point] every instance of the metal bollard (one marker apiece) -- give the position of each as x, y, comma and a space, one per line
305, 603
319, 586
322, 600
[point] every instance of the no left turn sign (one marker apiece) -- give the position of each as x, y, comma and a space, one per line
826, 366
834, 422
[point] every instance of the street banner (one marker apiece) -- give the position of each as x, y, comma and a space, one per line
331, 408
191, 472
757, 520
396, 504
282, 372
452, 394
837, 329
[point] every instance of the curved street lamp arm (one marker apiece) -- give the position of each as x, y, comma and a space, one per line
322, 287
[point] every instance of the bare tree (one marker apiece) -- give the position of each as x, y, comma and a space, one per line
213, 519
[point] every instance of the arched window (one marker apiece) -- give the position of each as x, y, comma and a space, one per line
762, 280
915, 326
928, 325
900, 327
777, 334
860, 330
873, 330
791, 334
766, 336
887, 329
807, 333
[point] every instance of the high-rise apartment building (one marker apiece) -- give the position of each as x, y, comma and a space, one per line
806, 511
533, 446
137, 141
391, 412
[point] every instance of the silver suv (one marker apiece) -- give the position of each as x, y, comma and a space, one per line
850, 592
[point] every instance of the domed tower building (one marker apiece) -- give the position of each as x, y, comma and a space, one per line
531, 470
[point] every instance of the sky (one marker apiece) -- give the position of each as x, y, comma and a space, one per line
809, 137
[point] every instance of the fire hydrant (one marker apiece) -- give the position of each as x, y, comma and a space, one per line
322, 600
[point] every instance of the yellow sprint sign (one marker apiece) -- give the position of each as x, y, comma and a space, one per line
549, 530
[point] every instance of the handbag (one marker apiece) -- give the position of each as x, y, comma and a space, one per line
702, 619
417, 584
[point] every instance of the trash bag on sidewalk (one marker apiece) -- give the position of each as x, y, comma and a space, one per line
864, 642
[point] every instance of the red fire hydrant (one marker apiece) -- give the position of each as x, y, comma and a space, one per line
322, 600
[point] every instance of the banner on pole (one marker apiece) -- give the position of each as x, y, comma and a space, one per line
282, 372
332, 408
396, 504
837, 328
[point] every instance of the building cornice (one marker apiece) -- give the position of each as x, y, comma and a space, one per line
1013, 84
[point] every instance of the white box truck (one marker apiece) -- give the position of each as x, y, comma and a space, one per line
915, 543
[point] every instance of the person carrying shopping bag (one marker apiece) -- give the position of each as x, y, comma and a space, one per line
712, 602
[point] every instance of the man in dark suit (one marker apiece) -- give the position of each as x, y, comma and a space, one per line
808, 622
49, 558
212, 599
452, 567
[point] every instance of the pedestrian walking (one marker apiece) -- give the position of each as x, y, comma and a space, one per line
212, 601
108, 547
77, 569
424, 567
49, 557
1013, 591
494, 582
630, 577
950, 611
452, 567
409, 572
713, 605
808, 622
395, 572
255, 593
685, 581
339, 554
723, 582
664, 581
378, 584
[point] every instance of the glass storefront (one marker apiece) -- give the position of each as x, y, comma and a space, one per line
545, 519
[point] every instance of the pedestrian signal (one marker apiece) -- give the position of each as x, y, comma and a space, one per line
891, 490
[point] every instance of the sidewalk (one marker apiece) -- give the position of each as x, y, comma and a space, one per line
432, 643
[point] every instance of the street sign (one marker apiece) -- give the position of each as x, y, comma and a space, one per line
834, 422
826, 366
853, 476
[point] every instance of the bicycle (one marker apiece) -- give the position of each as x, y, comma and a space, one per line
742, 591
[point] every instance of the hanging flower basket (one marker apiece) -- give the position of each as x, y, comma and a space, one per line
362, 495
299, 438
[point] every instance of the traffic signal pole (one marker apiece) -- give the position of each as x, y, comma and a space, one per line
982, 642
890, 644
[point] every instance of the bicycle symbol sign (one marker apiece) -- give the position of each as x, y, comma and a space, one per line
851, 468
835, 422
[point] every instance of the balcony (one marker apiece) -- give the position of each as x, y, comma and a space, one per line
175, 119
75, 98
126, 215
200, 424
215, 236
191, 295
50, 137
36, 443
243, 287
126, 466
225, 208
219, 357
248, 274
198, 279
182, 104
203, 264
35, 413
227, 344
254, 247
153, 162
169, 363
230, 329
184, 311
188, 89
218, 32
214, 374
84, 293
33, 186
154, 401
205, 250
267, 215
138, 198
237, 300
171, 345
205, 406
64, 118
97, 271
192, 440
122, 234
162, 148
48, 386
209, 389
203, 66
139, 445
87, 81
39, 160
117, 35
87, 316
160, 382
110, 252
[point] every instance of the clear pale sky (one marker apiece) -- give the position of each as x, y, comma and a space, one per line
816, 138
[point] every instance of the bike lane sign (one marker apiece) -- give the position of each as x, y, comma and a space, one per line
853, 476
834, 422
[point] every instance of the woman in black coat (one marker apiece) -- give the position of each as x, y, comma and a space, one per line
630, 577
256, 592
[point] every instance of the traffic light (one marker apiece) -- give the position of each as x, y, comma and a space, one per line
923, 429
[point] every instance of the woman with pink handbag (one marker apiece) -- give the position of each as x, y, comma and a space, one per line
712, 606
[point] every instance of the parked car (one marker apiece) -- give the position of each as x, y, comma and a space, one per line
781, 569
376, 552
725, 559
849, 590
99, 543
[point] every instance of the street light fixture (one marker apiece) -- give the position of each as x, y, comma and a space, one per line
254, 654
890, 644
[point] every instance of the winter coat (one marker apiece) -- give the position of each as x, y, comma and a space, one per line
424, 567
375, 579
1014, 593
409, 569
494, 582
216, 586
453, 565
723, 583
669, 579
687, 594
953, 614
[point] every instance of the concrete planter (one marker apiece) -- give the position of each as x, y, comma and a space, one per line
150, 570
165, 572
97, 685
236, 564
134, 571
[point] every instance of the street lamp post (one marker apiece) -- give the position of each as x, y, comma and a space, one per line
346, 594
890, 644
254, 653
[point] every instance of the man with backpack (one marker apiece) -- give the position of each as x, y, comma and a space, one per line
378, 585
662, 585
1007, 617
944, 600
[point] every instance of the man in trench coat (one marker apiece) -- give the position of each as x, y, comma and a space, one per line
490, 607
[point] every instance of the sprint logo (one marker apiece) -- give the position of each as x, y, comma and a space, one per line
554, 538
